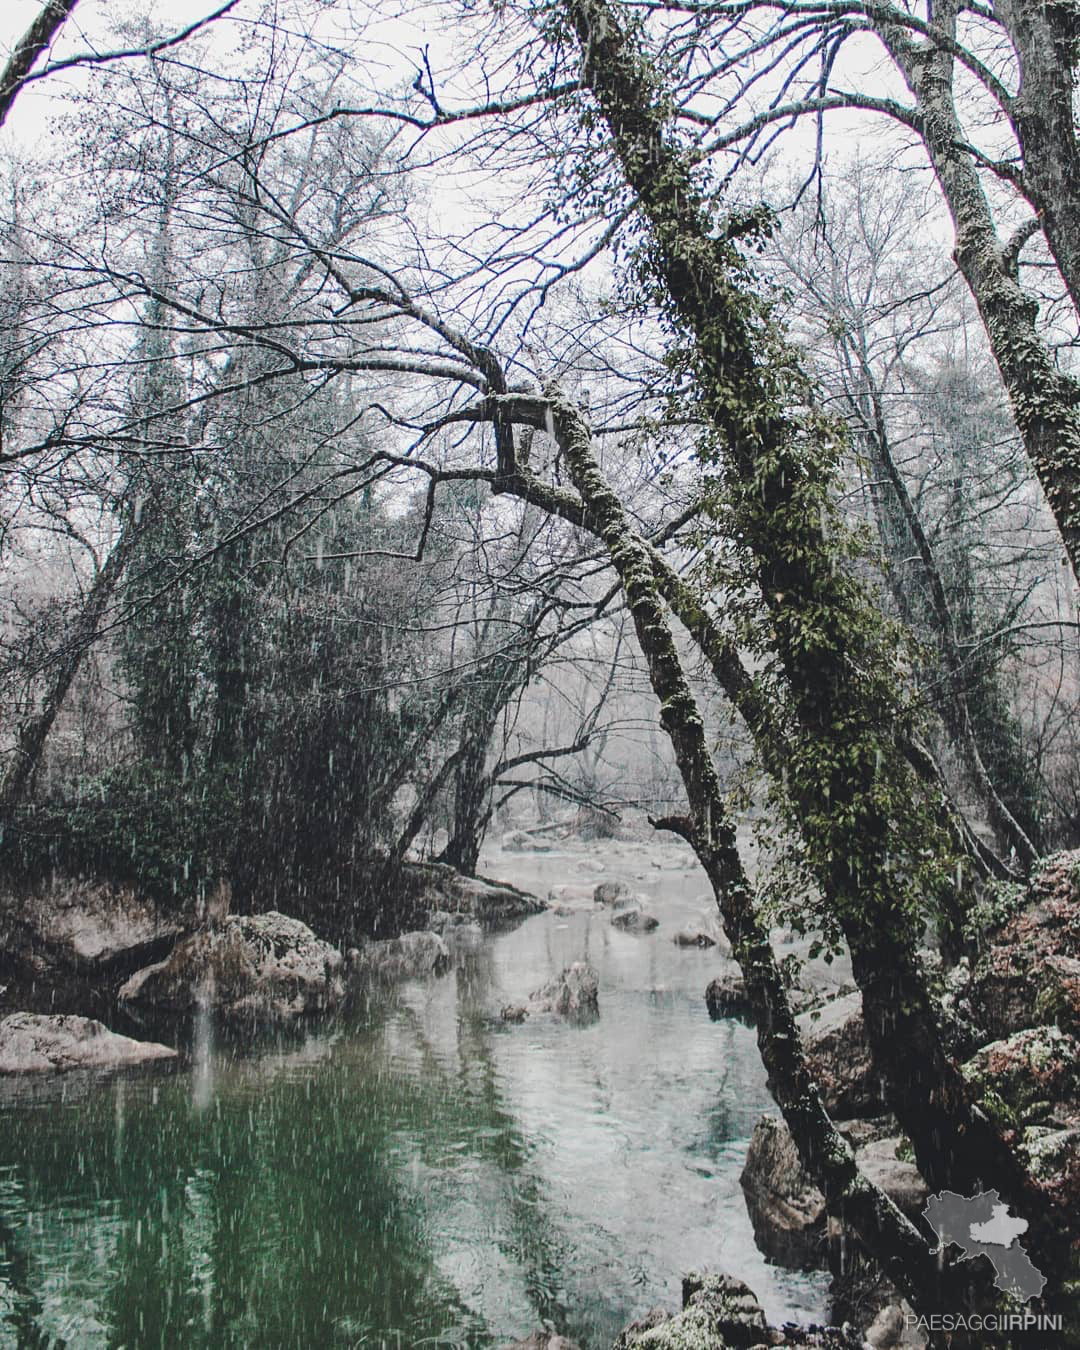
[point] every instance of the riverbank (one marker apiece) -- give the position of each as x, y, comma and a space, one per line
498, 1177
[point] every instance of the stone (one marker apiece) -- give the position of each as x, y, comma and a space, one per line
838, 1053
514, 1012
631, 919
1030, 972
259, 967
718, 1311
890, 1331
520, 841
898, 1177
655, 1317
458, 929
487, 901
1022, 1078
572, 994
787, 1211
412, 956
721, 1313
693, 937
566, 898
1053, 1155
609, 892
30, 1043
86, 927
726, 997
441, 920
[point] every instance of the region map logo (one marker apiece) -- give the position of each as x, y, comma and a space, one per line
981, 1225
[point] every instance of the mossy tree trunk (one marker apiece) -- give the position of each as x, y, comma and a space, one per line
1045, 400
893, 1240
848, 780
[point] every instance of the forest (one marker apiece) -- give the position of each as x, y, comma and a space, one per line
438, 433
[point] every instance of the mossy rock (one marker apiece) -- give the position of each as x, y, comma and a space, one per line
1021, 1078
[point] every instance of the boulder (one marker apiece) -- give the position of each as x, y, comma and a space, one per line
478, 898
514, 1012
787, 1211
412, 956
838, 1053
882, 1162
90, 928
458, 929
646, 1322
258, 966
890, 1331
520, 841
1028, 1077
633, 919
591, 865
726, 996
609, 892
30, 1043
693, 937
1053, 1155
565, 898
1030, 973
388, 900
721, 1313
717, 1311
572, 993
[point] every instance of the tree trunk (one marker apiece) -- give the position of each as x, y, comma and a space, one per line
1044, 35
34, 732
850, 721
472, 793
895, 1242
1045, 401
34, 41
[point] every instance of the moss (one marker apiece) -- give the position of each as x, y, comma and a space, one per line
692, 1329
1018, 1079
718, 1312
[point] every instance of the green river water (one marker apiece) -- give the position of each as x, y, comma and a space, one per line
417, 1175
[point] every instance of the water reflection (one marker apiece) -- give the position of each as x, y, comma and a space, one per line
421, 1175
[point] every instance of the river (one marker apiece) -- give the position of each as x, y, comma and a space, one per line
419, 1174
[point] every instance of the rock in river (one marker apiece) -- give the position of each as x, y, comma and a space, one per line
258, 966
35, 1044
573, 993
608, 892
412, 956
721, 1313
726, 996
633, 919
543, 1340
693, 937
520, 841
786, 1208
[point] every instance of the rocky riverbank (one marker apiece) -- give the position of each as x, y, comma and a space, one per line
72, 949
1013, 1018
